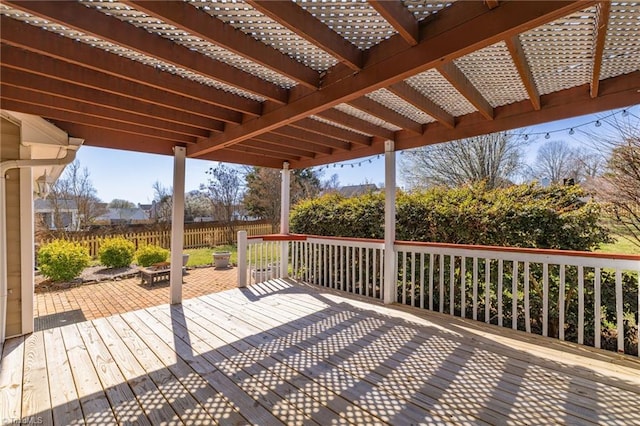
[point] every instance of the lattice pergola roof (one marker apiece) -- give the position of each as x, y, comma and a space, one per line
312, 81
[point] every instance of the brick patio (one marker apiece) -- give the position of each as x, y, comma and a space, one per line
96, 300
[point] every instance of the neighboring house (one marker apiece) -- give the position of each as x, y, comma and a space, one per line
147, 208
355, 190
121, 216
63, 216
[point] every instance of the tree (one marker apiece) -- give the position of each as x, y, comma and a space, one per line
118, 203
224, 191
262, 198
556, 161
494, 159
196, 205
75, 188
162, 203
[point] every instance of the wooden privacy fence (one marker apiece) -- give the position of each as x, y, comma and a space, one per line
193, 238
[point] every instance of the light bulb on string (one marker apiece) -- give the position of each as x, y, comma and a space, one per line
526, 137
571, 131
625, 113
598, 123
547, 136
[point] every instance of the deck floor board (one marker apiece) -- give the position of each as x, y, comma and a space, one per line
284, 353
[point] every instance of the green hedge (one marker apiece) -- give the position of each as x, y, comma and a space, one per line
116, 252
556, 217
150, 254
62, 260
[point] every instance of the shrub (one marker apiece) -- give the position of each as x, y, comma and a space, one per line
116, 252
148, 255
62, 260
519, 216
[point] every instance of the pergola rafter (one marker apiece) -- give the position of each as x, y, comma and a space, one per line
302, 82
602, 21
93, 22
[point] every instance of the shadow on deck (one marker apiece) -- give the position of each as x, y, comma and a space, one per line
280, 352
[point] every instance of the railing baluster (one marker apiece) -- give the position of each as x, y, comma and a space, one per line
342, 278
441, 283
580, 305
527, 313
361, 271
381, 267
431, 273
619, 313
545, 299
500, 290
413, 279
422, 280
475, 288
452, 279
597, 333
353, 270
374, 281
561, 296
463, 286
404, 277
487, 290
514, 297
368, 288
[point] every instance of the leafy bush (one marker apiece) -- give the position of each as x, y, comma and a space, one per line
556, 217
148, 255
116, 252
62, 260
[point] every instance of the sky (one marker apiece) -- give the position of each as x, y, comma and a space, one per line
130, 175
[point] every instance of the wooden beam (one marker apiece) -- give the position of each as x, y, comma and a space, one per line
96, 111
195, 21
602, 22
15, 58
281, 150
93, 22
455, 39
46, 43
113, 139
239, 149
324, 129
461, 83
308, 27
522, 65
51, 86
418, 100
617, 92
356, 123
382, 112
304, 136
103, 123
284, 141
400, 18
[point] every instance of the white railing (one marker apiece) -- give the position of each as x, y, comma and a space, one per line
576, 296
346, 264
555, 293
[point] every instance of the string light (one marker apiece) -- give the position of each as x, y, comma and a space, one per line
547, 135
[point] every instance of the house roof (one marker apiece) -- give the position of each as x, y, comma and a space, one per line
312, 82
123, 214
40, 204
353, 190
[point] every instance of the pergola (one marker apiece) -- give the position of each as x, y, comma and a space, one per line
312, 82
293, 84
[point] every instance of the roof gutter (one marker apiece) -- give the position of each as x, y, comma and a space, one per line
5, 166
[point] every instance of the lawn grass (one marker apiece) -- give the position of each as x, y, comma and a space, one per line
204, 256
621, 245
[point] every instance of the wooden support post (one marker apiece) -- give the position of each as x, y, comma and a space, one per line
389, 222
177, 224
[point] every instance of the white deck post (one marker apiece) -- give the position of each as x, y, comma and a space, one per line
177, 224
389, 295
285, 204
242, 258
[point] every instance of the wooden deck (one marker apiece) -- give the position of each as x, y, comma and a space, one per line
279, 352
